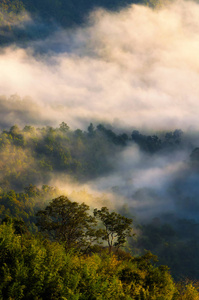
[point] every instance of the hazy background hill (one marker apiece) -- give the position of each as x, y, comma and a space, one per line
48, 15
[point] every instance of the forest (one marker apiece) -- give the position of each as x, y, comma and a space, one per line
31, 156
99, 150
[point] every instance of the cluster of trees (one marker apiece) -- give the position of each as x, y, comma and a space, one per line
174, 241
73, 225
31, 155
11, 13
68, 222
157, 3
36, 267
25, 204
155, 143
11, 10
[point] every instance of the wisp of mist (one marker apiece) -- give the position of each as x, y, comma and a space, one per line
137, 65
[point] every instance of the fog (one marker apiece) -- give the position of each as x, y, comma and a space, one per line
137, 66
145, 183
134, 68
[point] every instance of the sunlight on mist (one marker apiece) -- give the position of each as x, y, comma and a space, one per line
133, 72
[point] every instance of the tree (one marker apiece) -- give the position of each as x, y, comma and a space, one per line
19, 225
91, 130
174, 138
64, 127
68, 222
117, 227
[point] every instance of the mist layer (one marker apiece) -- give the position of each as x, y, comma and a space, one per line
137, 66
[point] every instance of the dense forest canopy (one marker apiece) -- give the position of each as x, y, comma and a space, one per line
32, 157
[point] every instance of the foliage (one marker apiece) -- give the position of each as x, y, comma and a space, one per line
187, 290
31, 155
175, 242
157, 3
117, 227
32, 267
11, 14
39, 269
152, 144
23, 206
67, 222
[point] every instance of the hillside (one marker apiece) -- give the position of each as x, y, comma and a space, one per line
99, 150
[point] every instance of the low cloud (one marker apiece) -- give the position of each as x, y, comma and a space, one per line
146, 182
137, 65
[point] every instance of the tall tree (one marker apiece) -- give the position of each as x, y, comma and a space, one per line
116, 227
68, 222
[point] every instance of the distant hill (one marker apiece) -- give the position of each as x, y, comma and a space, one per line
47, 15
70, 12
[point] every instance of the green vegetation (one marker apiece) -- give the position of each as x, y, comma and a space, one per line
157, 3
117, 227
36, 268
155, 143
12, 13
74, 253
55, 248
175, 242
24, 205
68, 260
32, 268
32, 155
68, 222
